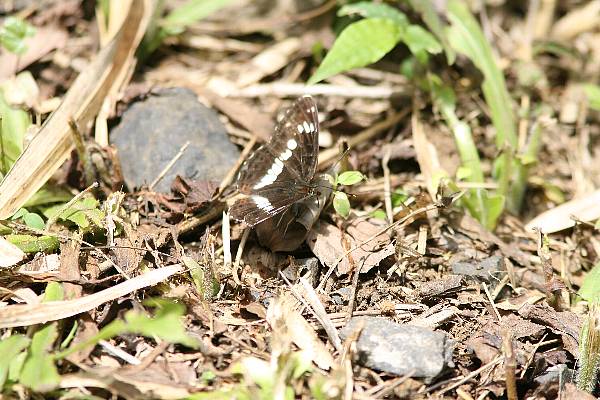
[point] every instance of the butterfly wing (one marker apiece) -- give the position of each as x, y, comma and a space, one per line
256, 208
279, 172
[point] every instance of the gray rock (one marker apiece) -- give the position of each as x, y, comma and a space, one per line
153, 131
398, 349
484, 269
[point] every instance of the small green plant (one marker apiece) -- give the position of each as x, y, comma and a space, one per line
264, 380
31, 362
383, 27
14, 123
368, 40
341, 204
13, 34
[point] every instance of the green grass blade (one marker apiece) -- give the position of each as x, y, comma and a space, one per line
466, 37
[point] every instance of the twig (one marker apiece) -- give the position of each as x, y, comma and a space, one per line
510, 365
146, 361
226, 233
240, 250
123, 355
381, 390
489, 296
387, 186
169, 165
352, 299
29, 314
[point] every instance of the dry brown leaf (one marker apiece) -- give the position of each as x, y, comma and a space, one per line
52, 144
565, 323
585, 209
9, 254
326, 242
24, 314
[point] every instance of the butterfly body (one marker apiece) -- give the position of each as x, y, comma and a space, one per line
280, 172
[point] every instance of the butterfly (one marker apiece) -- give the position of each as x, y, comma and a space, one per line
280, 173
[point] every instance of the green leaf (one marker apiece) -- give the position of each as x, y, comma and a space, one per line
34, 244
361, 43
10, 348
13, 34
84, 213
189, 13
48, 195
399, 196
379, 214
54, 292
369, 9
19, 214
418, 40
166, 323
14, 123
341, 204
590, 288
39, 372
349, 178
463, 173
434, 23
483, 206
593, 94
33, 220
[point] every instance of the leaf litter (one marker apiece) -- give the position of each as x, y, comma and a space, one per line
141, 294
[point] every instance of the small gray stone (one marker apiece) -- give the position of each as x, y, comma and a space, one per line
154, 130
400, 349
484, 269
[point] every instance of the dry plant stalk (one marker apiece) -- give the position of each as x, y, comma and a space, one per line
30, 314
510, 365
52, 144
